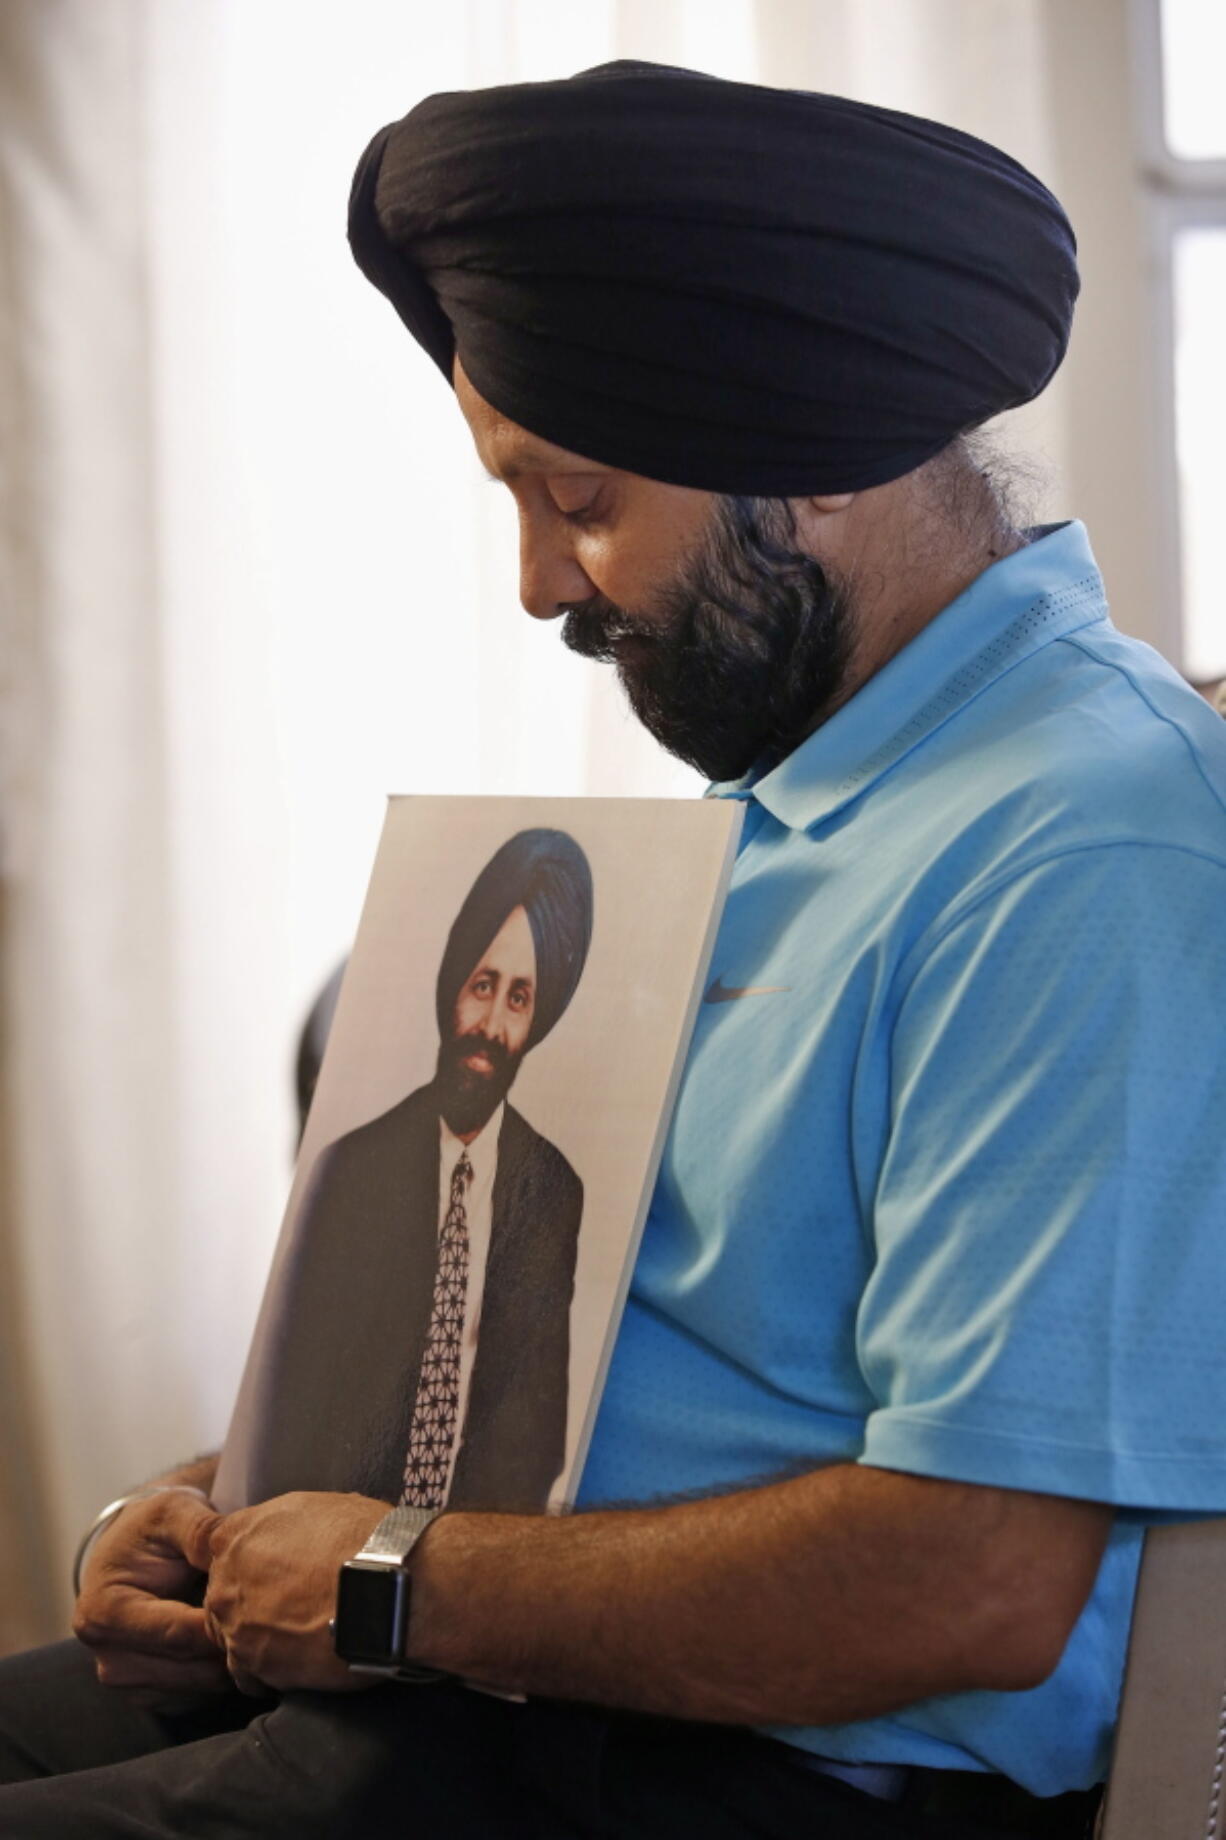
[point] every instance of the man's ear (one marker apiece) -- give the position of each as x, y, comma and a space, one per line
811, 510
810, 514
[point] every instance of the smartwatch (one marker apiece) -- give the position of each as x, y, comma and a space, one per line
371, 1625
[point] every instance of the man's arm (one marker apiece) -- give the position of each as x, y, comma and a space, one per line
829, 1597
134, 1610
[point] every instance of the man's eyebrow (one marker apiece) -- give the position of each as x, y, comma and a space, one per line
515, 470
531, 462
492, 971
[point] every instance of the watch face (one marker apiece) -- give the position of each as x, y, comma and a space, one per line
371, 1612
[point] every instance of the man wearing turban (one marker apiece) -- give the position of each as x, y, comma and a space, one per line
445, 1380
925, 1323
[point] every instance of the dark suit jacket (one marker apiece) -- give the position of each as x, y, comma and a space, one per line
343, 1352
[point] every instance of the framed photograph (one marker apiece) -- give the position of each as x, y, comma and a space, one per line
481, 1150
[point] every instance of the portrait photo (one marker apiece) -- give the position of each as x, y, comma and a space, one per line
474, 1170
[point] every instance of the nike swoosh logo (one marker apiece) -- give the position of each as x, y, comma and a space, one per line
718, 993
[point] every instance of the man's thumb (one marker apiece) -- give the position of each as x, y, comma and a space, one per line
189, 1522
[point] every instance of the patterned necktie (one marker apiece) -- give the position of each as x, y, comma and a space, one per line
436, 1409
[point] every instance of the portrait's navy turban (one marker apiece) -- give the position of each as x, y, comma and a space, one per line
547, 874
742, 289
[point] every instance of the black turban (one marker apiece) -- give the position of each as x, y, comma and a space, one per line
546, 873
742, 289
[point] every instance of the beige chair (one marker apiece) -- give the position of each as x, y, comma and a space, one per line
1166, 1779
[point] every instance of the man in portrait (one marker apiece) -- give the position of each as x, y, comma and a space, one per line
419, 1345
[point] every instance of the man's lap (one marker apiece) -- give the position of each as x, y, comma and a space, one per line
55, 1717
78, 1759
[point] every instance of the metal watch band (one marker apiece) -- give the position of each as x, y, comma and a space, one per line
397, 1534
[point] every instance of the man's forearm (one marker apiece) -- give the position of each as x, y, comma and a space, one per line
829, 1597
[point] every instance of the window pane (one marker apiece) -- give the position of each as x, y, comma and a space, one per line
1193, 58
1200, 417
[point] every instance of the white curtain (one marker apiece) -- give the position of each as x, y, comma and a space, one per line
89, 1046
254, 580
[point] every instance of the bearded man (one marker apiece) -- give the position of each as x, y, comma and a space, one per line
444, 1380
925, 1323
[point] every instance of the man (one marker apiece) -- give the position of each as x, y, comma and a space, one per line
447, 1378
925, 1320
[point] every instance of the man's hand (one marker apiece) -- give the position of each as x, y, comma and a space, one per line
272, 1587
136, 1609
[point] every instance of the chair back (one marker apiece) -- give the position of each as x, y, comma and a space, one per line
1166, 1779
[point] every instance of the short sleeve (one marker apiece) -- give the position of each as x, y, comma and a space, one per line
1047, 1308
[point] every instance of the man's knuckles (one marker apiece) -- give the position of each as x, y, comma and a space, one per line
104, 1616
89, 1623
251, 1652
114, 1668
128, 1619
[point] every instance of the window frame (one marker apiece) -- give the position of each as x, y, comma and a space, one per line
1176, 194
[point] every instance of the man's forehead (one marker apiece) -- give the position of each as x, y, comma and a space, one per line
493, 961
505, 449
514, 939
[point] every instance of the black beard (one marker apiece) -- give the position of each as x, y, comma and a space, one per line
741, 657
466, 1099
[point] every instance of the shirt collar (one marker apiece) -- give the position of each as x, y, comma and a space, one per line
1023, 602
482, 1152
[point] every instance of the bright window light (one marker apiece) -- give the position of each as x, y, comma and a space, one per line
1193, 59
1200, 411
720, 36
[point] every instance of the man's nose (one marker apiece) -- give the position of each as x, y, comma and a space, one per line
497, 1018
549, 576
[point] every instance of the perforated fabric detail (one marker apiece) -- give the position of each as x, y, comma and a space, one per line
1022, 636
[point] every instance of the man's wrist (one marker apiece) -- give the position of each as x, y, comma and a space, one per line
436, 1636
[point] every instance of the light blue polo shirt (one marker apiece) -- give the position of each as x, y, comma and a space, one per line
945, 1189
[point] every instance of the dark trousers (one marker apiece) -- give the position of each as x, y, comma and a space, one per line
78, 1760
